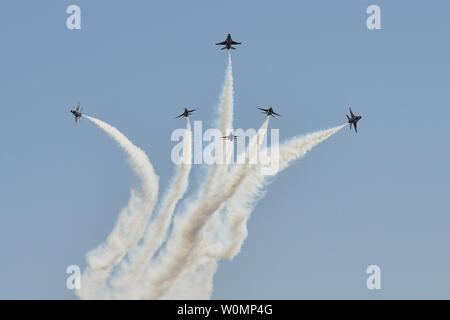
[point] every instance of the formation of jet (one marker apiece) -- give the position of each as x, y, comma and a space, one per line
186, 113
230, 137
77, 112
353, 120
269, 112
228, 43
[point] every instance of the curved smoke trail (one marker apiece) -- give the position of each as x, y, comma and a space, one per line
202, 268
182, 248
240, 207
237, 213
131, 271
131, 223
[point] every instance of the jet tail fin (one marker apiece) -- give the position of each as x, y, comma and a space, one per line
233, 48
223, 48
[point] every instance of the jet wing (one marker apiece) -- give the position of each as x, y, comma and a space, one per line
262, 109
276, 113
221, 43
235, 42
351, 113
356, 128
179, 116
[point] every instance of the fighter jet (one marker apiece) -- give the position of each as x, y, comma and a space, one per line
77, 112
230, 137
186, 113
353, 120
269, 112
228, 43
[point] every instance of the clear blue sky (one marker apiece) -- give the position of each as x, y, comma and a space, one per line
378, 197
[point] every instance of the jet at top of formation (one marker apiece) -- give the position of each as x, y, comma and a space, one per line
186, 113
228, 43
77, 112
269, 112
353, 120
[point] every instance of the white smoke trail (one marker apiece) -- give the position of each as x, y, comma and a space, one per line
217, 170
226, 108
129, 275
214, 223
225, 124
297, 147
131, 223
239, 208
194, 282
181, 251
241, 205
201, 287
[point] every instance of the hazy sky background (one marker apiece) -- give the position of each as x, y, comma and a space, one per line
377, 197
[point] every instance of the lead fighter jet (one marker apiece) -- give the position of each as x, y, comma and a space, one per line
186, 113
353, 120
230, 137
228, 43
269, 112
77, 112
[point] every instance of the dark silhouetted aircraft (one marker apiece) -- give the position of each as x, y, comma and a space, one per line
230, 137
269, 112
228, 43
186, 113
353, 120
77, 112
